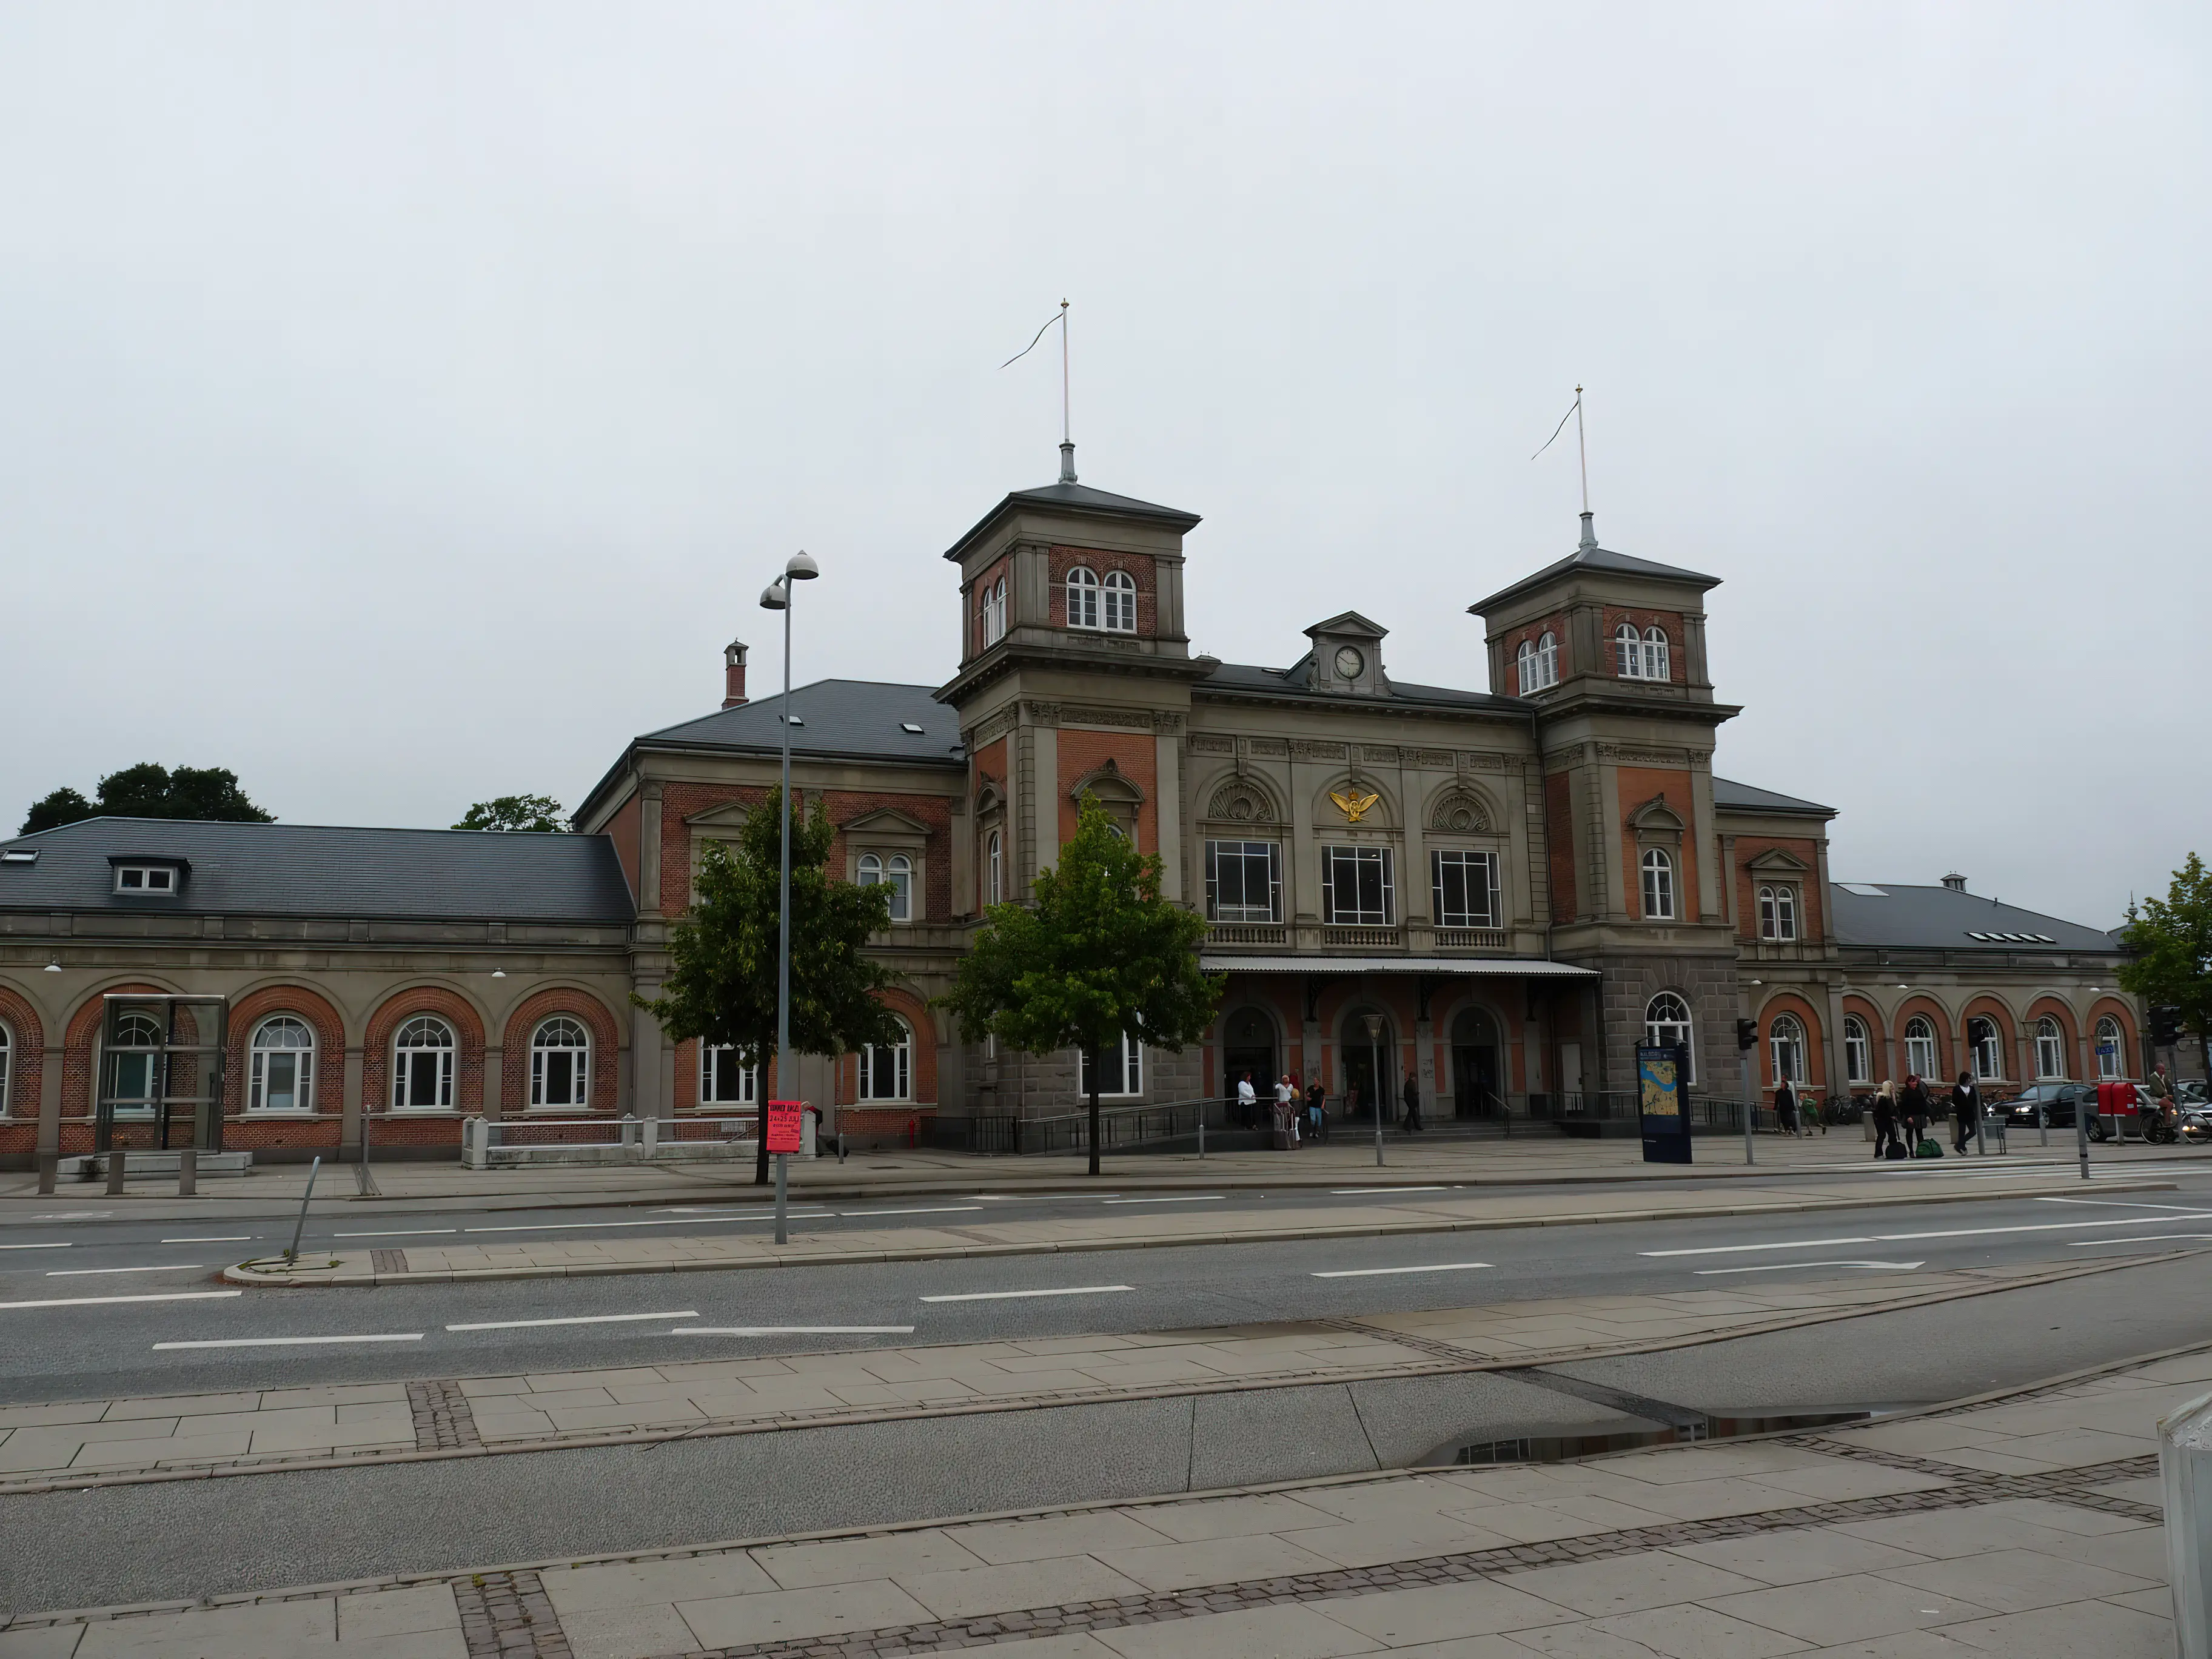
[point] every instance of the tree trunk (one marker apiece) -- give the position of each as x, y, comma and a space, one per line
1094, 1060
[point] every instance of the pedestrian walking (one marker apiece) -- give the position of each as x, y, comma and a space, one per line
1247, 1102
1914, 1109
1785, 1106
1884, 1120
1317, 1108
1966, 1112
1413, 1103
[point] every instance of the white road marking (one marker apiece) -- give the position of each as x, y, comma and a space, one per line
1196, 1198
941, 1209
1784, 1267
63, 1246
79, 1273
1034, 1198
400, 1232
104, 1301
2153, 1238
1950, 1232
293, 1341
793, 1330
1011, 1296
219, 1238
74, 1215
577, 1226
581, 1319
1355, 1192
1374, 1272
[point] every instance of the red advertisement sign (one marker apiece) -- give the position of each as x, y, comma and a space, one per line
783, 1117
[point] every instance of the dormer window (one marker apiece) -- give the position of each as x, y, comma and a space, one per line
149, 880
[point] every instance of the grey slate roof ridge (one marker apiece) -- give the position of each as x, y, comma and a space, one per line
1914, 916
1596, 558
1080, 497
1750, 798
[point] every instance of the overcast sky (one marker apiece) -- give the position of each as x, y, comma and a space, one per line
401, 404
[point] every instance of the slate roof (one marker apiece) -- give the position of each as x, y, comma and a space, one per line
1940, 918
857, 719
299, 869
1076, 498
1594, 557
1730, 797
1294, 681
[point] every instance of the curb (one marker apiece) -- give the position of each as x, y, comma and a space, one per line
816, 1257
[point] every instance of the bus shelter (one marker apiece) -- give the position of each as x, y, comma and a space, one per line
161, 1072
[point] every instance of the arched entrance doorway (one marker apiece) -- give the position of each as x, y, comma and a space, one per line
1362, 1089
1248, 1044
1475, 1070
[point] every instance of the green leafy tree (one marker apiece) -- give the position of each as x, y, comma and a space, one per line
2172, 938
1097, 953
721, 985
148, 791
538, 813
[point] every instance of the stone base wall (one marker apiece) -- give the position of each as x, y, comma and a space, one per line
1707, 983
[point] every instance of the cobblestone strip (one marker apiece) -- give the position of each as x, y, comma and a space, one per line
443, 1418
388, 1261
944, 1635
507, 1615
1467, 1358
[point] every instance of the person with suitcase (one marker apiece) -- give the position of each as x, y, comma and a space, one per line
1918, 1112
1887, 1142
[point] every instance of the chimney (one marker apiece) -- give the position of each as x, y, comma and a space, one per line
1954, 881
734, 674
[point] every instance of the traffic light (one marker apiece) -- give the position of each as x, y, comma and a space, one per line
2165, 1026
1747, 1034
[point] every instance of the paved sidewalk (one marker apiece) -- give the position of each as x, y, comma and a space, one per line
982, 1235
103, 1442
2026, 1526
1411, 1160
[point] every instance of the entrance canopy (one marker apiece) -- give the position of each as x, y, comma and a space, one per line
1513, 967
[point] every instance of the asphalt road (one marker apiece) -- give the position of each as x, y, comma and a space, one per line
82, 1344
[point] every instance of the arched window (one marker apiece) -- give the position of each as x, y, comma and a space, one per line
994, 612
1539, 663
1655, 655
1658, 885
994, 870
897, 872
1121, 603
1858, 1050
1628, 651
1524, 664
1082, 598
1988, 1051
132, 1057
2049, 1048
281, 1078
1667, 1022
1920, 1047
722, 1081
887, 1068
561, 1064
422, 1066
2108, 1047
1786, 1043
1777, 913
7, 1049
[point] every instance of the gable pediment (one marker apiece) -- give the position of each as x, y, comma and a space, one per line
1655, 815
731, 814
885, 821
1776, 861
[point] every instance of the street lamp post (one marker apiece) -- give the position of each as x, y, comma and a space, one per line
1374, 1022
776, 596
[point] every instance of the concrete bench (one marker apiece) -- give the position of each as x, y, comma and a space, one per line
148, 1164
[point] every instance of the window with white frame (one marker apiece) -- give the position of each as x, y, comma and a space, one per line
1082, 598
1920, 1047
282, 1075
1785, 1043
1858, 1050
1356, 887
422, 1066
994, 612
2049, 1048
1628, 651
1655, 655
722, 1080
1243, 881
561, 1064
133, 1062
1464, 888
897, 872
2109, 1052
160, 878
1539, 663
1658, 885
887, 1068
995, 869
1124, 1072
1987, 1049
1120, 596
1666, 1025
7, 1052
1777, 913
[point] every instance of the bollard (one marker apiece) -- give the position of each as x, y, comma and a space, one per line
50, 1169
115, 1172
188, 1172
2184, 1469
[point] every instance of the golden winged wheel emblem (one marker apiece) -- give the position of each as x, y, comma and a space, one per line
1354, 807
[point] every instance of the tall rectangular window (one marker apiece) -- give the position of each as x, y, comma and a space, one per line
1356, 886
1464, 888
1243, 881
1124, 1072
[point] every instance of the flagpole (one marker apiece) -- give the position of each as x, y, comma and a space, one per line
1583, 447
1067, 435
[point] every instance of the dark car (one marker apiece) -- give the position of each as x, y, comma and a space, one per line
2056, 1102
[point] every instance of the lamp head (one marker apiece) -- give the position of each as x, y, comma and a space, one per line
800, 567
775, 595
